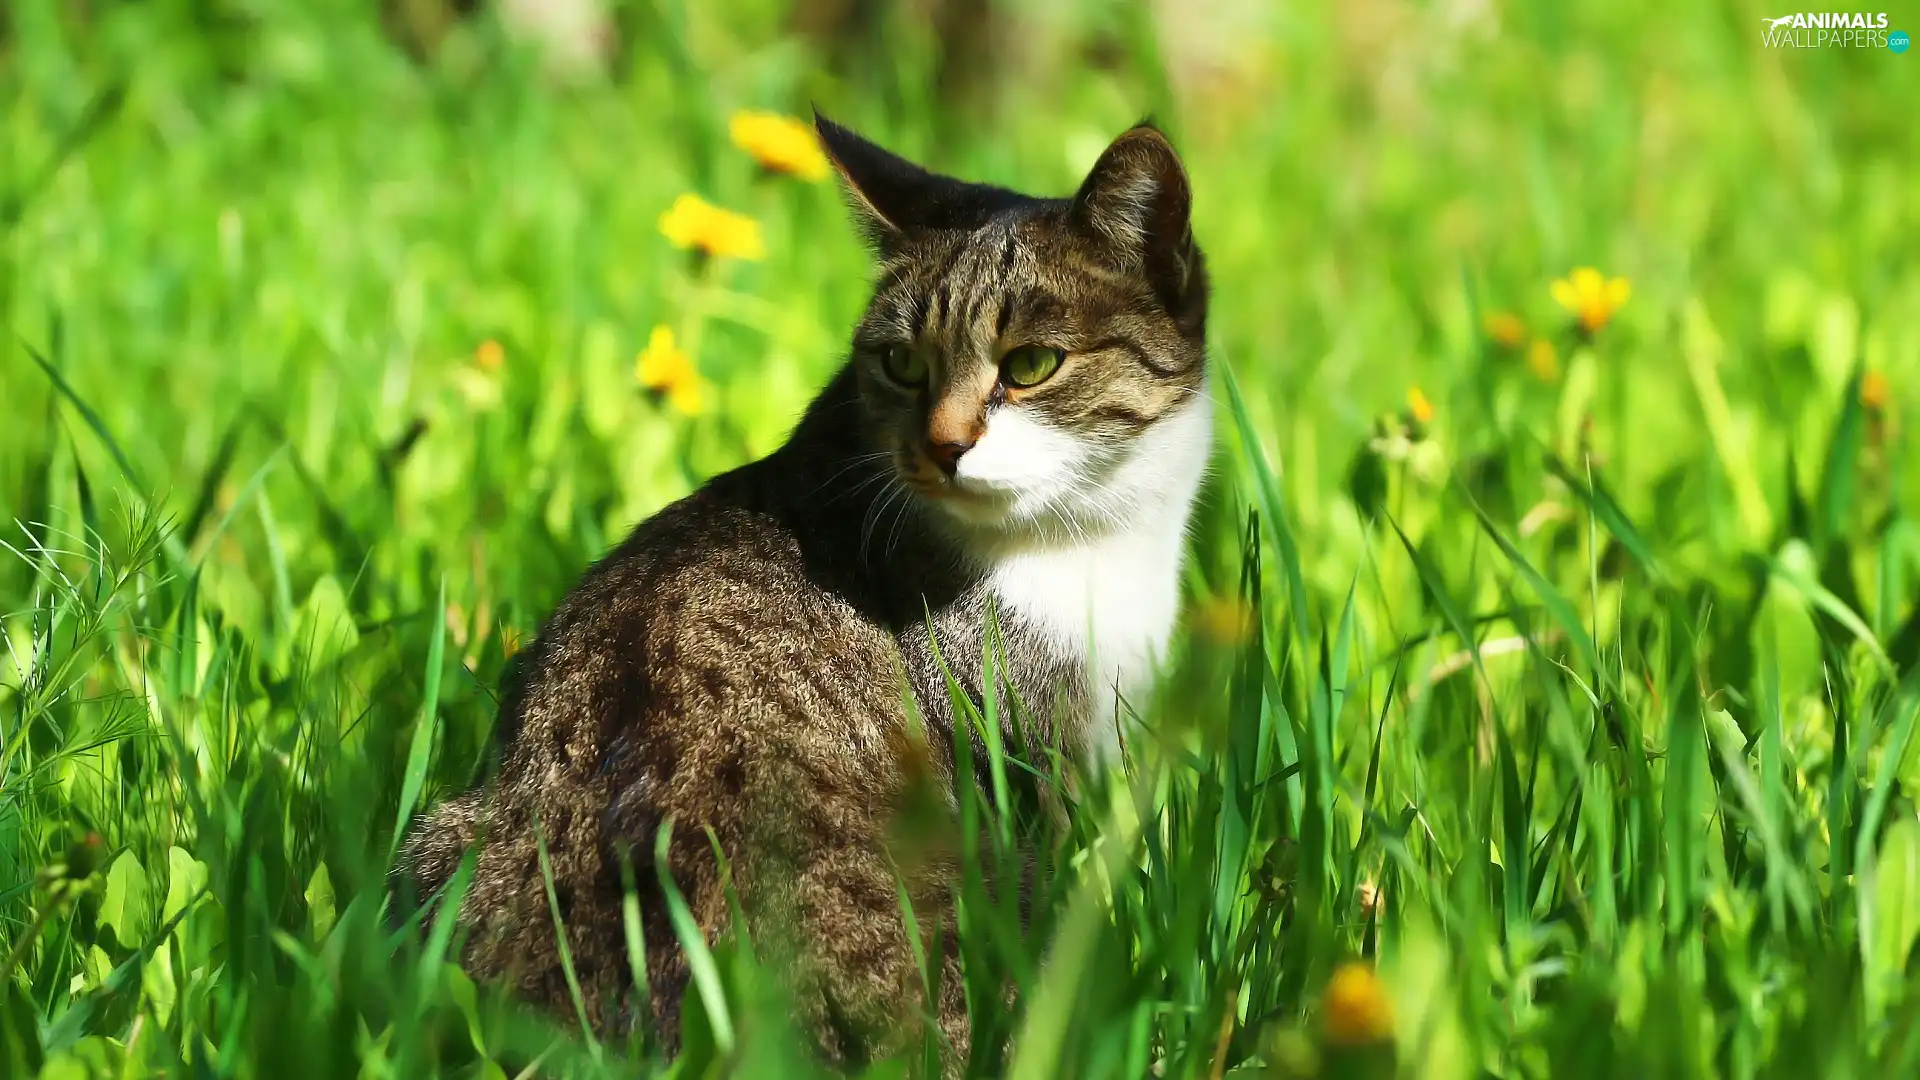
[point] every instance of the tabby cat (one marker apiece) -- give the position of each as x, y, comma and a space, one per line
1021, 429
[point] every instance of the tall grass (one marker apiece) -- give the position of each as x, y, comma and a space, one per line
1582, 709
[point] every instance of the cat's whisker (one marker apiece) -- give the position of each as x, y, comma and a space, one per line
1199, 392
899, 519
852, 464
877, 478
894, 491
867, 520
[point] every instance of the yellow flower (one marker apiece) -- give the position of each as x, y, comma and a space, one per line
1543, 360
1592, 297
693, 222
1873, 391
1506, 329
779, 143
1355, 1010
663, 369
1419, 406
489, 356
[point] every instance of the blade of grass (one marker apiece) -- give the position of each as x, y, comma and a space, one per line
636, 943
420, 753
560, 944
693, 945
1266, 490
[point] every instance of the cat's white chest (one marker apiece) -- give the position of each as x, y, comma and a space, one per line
1113, 597
1114, 602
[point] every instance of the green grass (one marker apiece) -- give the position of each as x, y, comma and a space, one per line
1589, 714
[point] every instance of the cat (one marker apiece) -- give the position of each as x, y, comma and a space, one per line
1020, 432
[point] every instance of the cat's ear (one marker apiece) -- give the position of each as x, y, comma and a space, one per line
887, 192
1137, 195
1137, 203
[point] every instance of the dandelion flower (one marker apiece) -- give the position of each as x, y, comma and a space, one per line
489, 356
1505, 329
1418, 406
1543, 359
1356, 1010
779, 143
1874, 391
1592, 297
663, 369
694, 223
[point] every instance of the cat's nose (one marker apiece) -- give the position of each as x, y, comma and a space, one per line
947, 454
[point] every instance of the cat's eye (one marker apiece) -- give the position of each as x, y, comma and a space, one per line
1030, 365
904, 365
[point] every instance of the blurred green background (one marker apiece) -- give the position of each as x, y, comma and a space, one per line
1567, 673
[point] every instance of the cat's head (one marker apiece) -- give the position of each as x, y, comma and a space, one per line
1033, 367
